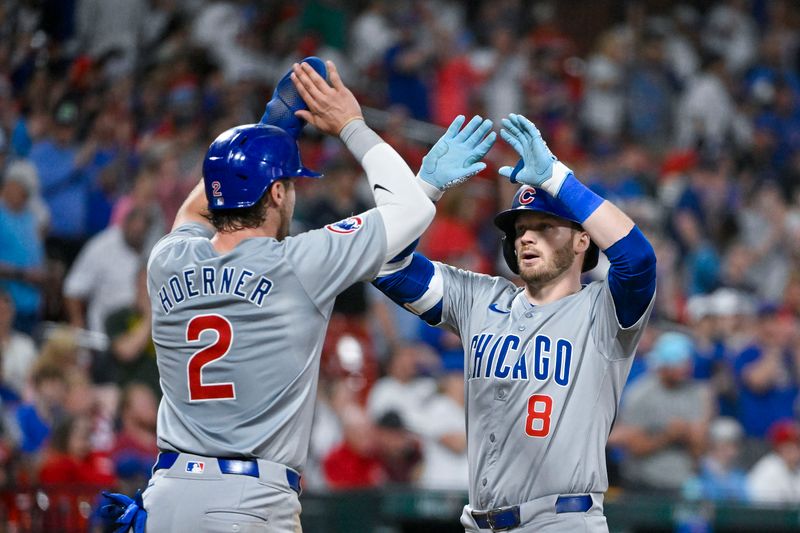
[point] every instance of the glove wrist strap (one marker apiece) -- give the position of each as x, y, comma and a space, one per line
556, 180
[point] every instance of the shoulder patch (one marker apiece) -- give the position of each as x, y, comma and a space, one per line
348, 225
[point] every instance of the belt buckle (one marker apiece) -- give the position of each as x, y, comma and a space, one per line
494, 514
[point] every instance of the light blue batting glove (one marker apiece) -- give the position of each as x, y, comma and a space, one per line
457, 155
537, 161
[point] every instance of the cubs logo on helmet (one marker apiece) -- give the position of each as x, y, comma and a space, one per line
348, 225
527, 195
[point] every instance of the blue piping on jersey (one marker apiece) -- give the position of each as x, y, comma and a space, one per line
405, 252
632, 276
410, 284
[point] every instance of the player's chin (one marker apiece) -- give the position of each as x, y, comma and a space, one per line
534, 273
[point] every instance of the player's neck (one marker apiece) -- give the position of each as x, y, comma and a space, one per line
224, 242
561, 287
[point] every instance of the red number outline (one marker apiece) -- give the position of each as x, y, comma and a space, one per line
544, 416
199, 391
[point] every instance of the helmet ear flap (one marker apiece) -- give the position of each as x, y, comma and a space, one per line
509, 254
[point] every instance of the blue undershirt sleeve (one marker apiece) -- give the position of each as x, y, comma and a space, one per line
632, 276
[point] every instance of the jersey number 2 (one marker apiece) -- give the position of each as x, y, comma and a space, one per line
540, 407
198, 390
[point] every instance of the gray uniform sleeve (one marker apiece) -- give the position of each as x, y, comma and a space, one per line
184, 231
330, 259
613, 340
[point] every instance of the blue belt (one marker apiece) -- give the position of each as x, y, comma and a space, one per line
505, 518
244, 467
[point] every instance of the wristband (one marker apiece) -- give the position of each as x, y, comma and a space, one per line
578, 198
358, 137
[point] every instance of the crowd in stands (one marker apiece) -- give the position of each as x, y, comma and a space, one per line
687, 117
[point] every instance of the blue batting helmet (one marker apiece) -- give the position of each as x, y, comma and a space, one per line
244, 161
531, 199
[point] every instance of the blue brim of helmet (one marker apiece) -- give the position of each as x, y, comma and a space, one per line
304, 172
505, 219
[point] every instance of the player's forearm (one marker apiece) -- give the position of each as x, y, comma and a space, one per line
404, 207
194, 208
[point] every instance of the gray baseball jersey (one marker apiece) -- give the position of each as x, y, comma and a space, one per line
543, 385
238, 336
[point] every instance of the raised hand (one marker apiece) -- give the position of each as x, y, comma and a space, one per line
537, 159
457, 154
330, 107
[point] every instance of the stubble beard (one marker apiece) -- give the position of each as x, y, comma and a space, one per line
559, 263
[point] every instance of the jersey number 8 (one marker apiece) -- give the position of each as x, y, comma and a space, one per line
540, 407
199, 391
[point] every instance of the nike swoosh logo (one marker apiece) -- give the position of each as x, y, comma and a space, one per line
493, 307
379, 186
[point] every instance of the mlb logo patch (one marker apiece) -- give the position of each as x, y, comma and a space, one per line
348, 225
195, 467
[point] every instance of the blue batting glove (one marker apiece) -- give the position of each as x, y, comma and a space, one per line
536, 166
456, 155
123, 512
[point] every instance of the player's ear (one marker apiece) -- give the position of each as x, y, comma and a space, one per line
277, 193
580, 241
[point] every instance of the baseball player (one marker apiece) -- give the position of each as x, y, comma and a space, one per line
545, 363
240, 310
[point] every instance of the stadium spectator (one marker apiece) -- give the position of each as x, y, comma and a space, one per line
731, 32
398, 449
21, 246
503, 65
354, 464
60, 159
144, 195
403, 389
371, 35
406, 64
706, 110
720, 477
712, 362
17, 353
103, 277
664, 419
444, 435
650, 94
135, 447
35, 418
603, 111
767, 373
69, 458
776, 477
132, 356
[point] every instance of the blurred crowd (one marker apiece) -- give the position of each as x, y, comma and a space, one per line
687, 117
